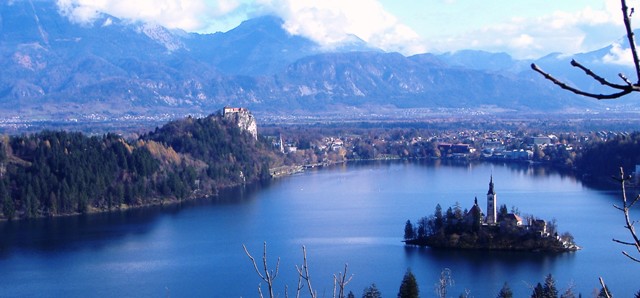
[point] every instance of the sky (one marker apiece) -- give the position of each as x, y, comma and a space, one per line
523, 28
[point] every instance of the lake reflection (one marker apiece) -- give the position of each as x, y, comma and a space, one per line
351, 214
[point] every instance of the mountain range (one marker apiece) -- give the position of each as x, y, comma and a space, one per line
53, 67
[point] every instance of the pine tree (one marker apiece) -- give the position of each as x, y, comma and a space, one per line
549, 288
408, 231
603, 293
538, 291
371, 292
409, 286
439, 221
505, 292
568, 293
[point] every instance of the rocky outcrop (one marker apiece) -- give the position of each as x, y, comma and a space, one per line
243, 118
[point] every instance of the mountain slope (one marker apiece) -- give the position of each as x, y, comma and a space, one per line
55, 68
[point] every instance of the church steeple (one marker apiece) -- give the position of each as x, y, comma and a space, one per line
492, 202
491, 191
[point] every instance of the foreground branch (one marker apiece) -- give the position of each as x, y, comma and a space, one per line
604, 288
626, 89
269, 275
622, 89
629, 224
303, 274
340, 281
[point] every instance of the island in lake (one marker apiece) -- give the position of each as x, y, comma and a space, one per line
499, 229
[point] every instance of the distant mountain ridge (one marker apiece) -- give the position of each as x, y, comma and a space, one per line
52, 67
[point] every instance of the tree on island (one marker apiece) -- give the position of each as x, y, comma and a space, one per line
503, 211
409, 232
409, 286
439, 220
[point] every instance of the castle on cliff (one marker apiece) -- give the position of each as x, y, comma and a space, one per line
243, 118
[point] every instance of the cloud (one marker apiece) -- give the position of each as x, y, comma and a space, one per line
189, 15
564, 32
619, 56
328, 22
333, 22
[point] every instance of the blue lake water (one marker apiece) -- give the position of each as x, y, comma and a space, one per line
351, 214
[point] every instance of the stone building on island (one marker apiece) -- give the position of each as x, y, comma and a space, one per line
508, 221
496, 230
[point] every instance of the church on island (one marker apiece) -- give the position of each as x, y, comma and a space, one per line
496, 230
505, 221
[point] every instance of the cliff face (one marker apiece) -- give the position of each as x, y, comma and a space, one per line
243, 118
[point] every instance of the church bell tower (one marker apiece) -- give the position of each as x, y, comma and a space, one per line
491, 204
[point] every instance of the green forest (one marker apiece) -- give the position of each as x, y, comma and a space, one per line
59, 173
604, 159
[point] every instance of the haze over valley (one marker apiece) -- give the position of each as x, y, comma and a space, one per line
56, 69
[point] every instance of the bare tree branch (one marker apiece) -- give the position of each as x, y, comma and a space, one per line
631, 257
303, 273
629, 224
269, 275
623, 242
341, 281
627, 90
604, 288
596, 77
623, 89
634, 201
631, 38
444, 281
625, 79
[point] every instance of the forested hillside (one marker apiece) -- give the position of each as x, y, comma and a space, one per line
57, 172
604, 159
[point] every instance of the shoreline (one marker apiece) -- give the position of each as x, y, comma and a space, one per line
276, 173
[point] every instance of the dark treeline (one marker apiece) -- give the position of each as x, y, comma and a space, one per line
57, 172
604, 158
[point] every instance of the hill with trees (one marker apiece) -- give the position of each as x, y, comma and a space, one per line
603, 158
59, 173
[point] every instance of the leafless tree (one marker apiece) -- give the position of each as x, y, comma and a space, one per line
445, 281
303, 274
267, 275
629, 224
619, 90
605, 291
340, 281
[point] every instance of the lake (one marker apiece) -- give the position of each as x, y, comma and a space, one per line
351, 214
